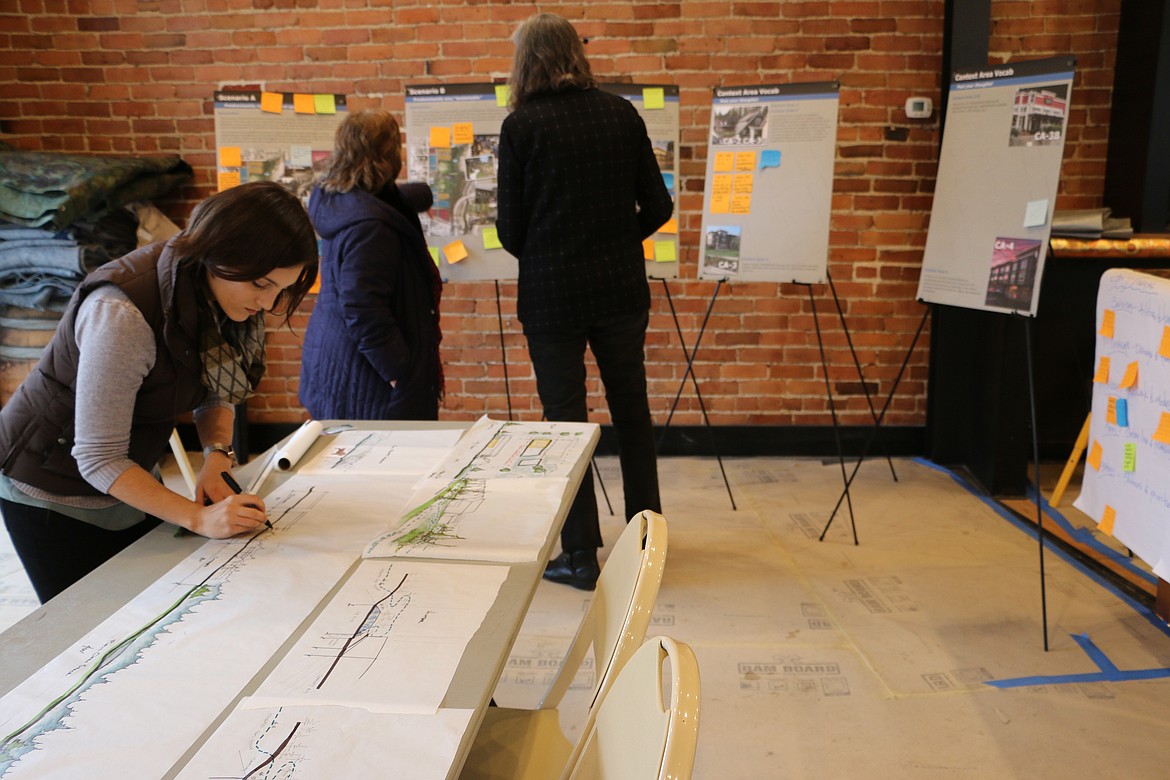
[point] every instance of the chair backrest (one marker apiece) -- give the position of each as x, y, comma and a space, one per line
615, 624
636, 735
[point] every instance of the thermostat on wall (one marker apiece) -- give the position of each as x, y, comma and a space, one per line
919, 107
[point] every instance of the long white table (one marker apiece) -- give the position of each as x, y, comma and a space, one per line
57, 625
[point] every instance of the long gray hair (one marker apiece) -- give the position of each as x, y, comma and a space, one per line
549, 57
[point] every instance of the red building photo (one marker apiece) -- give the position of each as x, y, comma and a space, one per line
1013, 273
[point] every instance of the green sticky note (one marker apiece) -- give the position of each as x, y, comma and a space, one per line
664, 252
502, 94
434, 250
653, 97
1129, 459
491, 238
324, 104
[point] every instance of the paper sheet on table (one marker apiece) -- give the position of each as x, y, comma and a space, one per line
382, 452
494, 449
389, 641
287, 456
506, 520
324, 743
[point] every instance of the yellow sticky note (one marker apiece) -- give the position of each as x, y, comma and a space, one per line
1108, 518
455, 251
434, 250
671, 226
1111, 410
324, 104
229, 156
653, 97
272, 102
745, 161
1102, 375
1164, 347
1131, 375
491, 238
664, 252
304, 104
1129, 457
1107, 319
1095, 453
462, 133
441, 139
503, 93
742, 183
648, 249
228, 179
1163, 432
724, 161
741, 203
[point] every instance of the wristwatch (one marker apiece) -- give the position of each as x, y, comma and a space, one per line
226, 449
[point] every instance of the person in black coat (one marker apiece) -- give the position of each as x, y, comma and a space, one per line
371, 348
579, 190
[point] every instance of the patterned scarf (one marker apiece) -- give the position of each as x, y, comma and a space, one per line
232, 352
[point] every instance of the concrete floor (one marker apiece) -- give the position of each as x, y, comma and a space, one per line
917, 653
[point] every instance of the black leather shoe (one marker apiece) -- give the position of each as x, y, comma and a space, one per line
578, 568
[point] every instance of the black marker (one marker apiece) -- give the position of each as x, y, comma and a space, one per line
231, 482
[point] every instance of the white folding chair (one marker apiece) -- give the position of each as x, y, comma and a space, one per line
636, 734
516, 743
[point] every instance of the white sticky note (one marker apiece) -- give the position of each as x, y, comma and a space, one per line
300, 156
1036, 214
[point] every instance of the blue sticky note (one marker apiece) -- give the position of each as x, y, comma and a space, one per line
1122, 413
769, 158
668, 179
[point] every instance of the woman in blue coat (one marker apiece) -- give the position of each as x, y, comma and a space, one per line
372, 344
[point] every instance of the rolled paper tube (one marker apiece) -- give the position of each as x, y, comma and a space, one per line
288, 455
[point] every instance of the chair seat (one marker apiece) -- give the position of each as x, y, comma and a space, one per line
518, 744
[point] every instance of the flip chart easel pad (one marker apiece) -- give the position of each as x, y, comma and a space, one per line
1005, 131
775, 226
1140, 496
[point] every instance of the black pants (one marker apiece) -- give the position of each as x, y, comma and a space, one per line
57, 550
559, 362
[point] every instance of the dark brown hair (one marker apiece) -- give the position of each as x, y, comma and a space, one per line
244, 232
367, 153
549, 57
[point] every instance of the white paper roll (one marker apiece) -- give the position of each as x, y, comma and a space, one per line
288, 455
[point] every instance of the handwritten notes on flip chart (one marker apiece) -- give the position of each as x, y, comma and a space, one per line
1127, 485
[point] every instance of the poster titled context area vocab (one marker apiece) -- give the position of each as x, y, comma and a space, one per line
452, 141
997, 180
274, 136
769, 183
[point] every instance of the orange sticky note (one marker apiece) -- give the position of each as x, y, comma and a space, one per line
1162, 434
272, 102
455, 251
1095, 453
229, 157
724, 162
1164, 347
1108, 518
671, 226
648, 249
227, 179
1102, 375
1111, 410
441, 137
304, 104
1131, 376
741, 203
462, 133
743, 183
1107, 318
745, 161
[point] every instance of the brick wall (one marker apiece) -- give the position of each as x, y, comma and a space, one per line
136, 76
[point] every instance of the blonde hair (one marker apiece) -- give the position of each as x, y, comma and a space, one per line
549, 57
367, 153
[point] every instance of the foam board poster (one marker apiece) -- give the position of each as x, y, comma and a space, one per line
997, 181
1126, 484
274, 136
452, 143
769, 183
